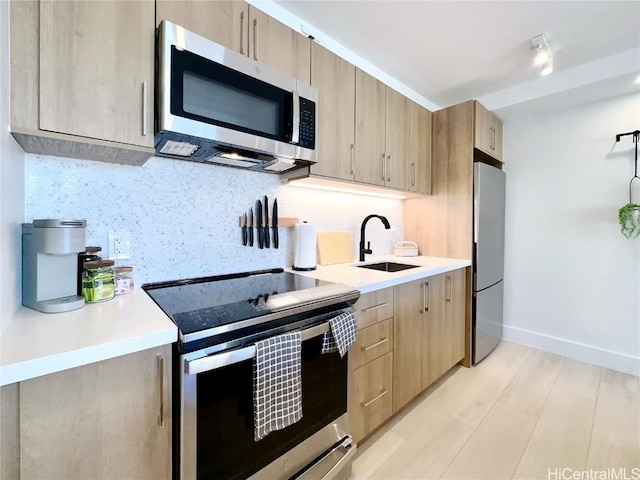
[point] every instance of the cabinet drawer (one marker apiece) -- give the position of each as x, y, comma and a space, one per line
374, 307
371, 401
372, 342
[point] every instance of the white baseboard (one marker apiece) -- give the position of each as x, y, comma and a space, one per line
578, 351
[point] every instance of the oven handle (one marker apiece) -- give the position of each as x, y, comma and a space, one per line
219, 360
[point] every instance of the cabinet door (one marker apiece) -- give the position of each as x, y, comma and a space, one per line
409, 301
371, 402
455, 306
397, 140
96, 70
488, 132
370, 155
434, 343
278, 46
419, 148
110, 419
335, 80
224, 21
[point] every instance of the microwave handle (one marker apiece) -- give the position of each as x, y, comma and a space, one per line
213, 362
295, 123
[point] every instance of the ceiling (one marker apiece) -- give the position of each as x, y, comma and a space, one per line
452, 51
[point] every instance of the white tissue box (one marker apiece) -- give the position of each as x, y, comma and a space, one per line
405, 249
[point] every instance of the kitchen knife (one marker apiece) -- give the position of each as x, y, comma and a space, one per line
244, 230
267, 233
274, 224
259, 228
251, 227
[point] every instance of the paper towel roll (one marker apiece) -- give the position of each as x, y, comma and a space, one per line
305, 254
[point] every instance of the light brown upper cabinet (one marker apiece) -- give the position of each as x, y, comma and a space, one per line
244, 29
370, 155
397, 164
419, 148
335, 80
488, 132
276, 45
382, 134
224, 22
82, 76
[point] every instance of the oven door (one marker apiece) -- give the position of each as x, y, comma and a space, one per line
217, 418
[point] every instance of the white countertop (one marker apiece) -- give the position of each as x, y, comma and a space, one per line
36, 343
367, 280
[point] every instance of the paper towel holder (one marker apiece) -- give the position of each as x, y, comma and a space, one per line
305, 255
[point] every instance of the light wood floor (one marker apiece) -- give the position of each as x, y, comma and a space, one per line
522, 413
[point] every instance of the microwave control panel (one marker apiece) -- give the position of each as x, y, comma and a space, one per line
307, 124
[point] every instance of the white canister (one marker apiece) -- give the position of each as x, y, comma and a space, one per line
305, 254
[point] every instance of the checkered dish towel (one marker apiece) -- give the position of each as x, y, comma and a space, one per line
341, 335
277, 397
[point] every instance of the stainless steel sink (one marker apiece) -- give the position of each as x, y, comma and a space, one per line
387, 266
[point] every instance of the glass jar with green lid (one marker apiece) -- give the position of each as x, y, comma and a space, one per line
98, 281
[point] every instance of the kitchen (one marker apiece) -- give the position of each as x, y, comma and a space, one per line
590, 317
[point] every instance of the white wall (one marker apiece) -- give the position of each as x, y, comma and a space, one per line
11, 190
572, 281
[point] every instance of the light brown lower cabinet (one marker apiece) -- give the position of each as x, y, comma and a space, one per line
429, 333
371, 399
106, 420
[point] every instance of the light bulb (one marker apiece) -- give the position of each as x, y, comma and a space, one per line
548, 67
542, 56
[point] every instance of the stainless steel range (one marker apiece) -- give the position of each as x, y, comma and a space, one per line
219, 321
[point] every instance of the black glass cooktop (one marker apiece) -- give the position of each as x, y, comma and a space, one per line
204, 303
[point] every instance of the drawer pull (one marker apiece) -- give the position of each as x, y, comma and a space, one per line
375, 307
382, 340
377, 397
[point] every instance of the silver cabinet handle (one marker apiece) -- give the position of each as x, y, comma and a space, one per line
383, 165
493, 138
144, 108
426, 297
413, 174
377, 344
242, 51
375, 307
255, 39
450, 296
161, 373
352, 165
377, 397
388, 168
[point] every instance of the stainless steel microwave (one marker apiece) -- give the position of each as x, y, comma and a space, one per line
216, 105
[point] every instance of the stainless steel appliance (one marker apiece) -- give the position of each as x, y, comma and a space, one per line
488, 259
50, 250
219, 320
215, 105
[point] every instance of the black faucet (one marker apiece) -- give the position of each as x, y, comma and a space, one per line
364, 224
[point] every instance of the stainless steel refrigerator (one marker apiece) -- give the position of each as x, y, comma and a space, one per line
488, 258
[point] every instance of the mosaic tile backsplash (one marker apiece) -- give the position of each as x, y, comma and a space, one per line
182, 217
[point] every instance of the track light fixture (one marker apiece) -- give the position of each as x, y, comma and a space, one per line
544, 57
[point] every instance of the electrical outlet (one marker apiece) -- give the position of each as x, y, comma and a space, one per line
119, 246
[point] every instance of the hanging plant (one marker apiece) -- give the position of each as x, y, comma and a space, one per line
629, 217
